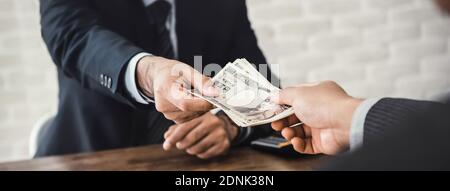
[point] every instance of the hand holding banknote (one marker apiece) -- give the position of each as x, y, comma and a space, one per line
326, 111
163, 79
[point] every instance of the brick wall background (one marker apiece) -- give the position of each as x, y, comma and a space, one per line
371, 47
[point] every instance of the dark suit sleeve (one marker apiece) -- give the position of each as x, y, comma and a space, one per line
390, 113
83, 48
401, 134
245, 45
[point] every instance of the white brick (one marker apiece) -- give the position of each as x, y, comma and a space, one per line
385, 4
9, 97
285, 47
32, 79
14, 134
294, 69
408, 86
332, 7
4, 117
276, 11
258, 3
387, 73
335, 42
2, 83
10, 43
264, 32
365, 54
437, 65
8, 7
305, 59
337, 73
419, 48
8, 24
9, 62
363, 20
392, 33
436, 28
305, 27
403, 61
413, 14
363, 89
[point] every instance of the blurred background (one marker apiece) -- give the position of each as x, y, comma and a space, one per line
396, 48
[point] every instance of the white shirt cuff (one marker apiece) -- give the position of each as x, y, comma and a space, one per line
357, 127
130, 79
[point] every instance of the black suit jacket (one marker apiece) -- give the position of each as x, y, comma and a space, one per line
402, 134
91, 39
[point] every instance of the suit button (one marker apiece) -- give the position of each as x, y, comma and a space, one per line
102, 79
105, 81
109, 83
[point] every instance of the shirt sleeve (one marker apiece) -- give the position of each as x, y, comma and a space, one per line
357, 126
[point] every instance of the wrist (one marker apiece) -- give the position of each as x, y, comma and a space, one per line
343, 120
231, 128
145, 74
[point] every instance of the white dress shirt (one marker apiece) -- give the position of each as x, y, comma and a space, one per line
130, 73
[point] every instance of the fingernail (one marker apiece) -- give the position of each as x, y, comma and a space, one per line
166, 146
178, 145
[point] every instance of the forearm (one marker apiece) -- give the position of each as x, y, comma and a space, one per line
83, 48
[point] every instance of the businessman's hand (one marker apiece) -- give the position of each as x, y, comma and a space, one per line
165, 80
326, 111
206, 136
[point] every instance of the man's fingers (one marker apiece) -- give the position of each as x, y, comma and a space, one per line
278, 125
163, 105
181, 131
304, 146
184, 101
216, 150
285, 96
203, 84
197, 80
307, 131
194, 136
286, 122
203, 145
291, 132
170, 131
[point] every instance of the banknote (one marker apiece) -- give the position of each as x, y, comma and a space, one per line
244, 95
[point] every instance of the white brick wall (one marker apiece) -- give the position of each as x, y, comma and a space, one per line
27, 76
372, 47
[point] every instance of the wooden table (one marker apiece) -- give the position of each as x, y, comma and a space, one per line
155, 158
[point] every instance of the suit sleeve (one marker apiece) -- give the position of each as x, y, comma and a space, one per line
85, 50
389, 114
401, 134
245, 45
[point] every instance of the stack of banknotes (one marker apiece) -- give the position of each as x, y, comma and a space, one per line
244, 95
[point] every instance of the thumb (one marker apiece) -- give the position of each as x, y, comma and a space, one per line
202, 83
285, 96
